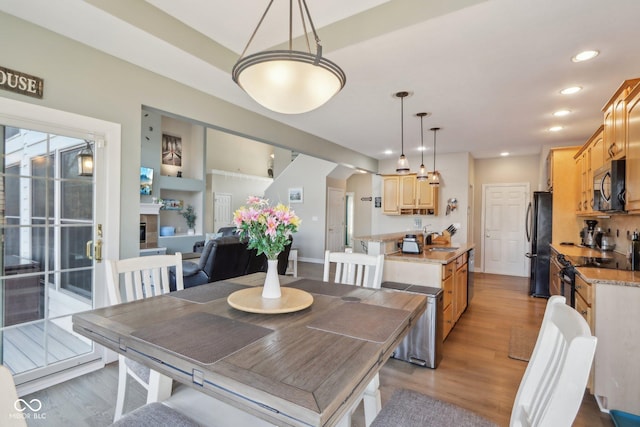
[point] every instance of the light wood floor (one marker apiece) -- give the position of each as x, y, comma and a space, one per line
475, 373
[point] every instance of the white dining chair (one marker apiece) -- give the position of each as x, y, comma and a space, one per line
11, 410
360, 270
354, 268
144, 277
550, 392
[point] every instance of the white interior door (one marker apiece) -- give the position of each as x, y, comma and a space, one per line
335, 219
51, 225
503, 242
221, 210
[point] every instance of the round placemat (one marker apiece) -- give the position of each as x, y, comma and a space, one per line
251, 300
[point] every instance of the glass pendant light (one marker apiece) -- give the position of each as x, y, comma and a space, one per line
434, 176
289, 81
402, 167
422, 173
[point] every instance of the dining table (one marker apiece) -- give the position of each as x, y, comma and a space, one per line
306, 367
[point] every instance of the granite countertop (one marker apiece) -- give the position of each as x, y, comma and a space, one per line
599, 275
387, 237
432, 257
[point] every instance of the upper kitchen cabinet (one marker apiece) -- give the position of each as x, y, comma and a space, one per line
563, 179
615, 121
633, 151
596, 148
426, 196
407, 191
405, 195
588, 159
391, 195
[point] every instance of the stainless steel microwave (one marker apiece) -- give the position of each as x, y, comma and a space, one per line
609, 187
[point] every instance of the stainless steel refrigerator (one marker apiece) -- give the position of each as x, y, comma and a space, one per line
538, 229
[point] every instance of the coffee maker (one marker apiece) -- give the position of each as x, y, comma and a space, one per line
588, 233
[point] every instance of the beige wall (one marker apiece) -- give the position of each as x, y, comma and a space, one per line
512, 169
310, 238
454, 170
361, 186
85, 81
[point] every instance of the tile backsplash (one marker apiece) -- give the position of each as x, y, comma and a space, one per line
621, 227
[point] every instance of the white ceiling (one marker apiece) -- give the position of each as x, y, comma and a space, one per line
489, 71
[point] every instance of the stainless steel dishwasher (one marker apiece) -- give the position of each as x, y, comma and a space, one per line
423, 344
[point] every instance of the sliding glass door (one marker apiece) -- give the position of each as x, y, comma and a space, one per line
46, 263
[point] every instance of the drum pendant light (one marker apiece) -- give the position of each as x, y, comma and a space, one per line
289, 81
422, 173
434, 176
402, 167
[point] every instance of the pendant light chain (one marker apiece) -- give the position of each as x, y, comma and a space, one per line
435, 177
402, 167
402, 126
422, 172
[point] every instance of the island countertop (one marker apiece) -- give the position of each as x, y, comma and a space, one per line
432, 256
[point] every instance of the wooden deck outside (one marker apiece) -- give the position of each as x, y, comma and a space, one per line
37, 344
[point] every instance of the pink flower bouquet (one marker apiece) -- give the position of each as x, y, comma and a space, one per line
266, 228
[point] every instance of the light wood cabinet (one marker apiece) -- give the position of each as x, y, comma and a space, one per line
426, 195
460, 287
596, 146
391, 195
407, 191
564, 181
454, 285
633, 152
584, 300
405, 195
615, 121
588, 160
447, 300
585, 306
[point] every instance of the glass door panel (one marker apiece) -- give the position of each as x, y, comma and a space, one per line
46, 275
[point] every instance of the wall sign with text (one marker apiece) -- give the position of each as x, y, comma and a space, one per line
22, 83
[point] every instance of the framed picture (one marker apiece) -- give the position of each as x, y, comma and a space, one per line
172, 204
146, 181
295, 195
171, 150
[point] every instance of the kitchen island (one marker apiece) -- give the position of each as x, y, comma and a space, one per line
609, 299
438, 266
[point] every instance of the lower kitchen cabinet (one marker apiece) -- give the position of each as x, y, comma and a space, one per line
460, 286
584, 306
451, 277
616, 317
447, 301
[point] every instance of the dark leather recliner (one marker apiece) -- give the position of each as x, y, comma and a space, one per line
224, 258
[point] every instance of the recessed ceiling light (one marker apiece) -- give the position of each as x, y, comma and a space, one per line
504, 153
585, 55
571, 90
422, 148
561, 113
388, 152
555, 128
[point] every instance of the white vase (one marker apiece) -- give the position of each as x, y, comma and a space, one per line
191, 231
272, 281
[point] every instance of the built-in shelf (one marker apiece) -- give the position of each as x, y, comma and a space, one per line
181, 184
150, 208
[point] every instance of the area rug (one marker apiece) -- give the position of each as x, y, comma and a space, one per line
521, 342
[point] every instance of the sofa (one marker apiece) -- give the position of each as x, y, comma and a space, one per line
226, 257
